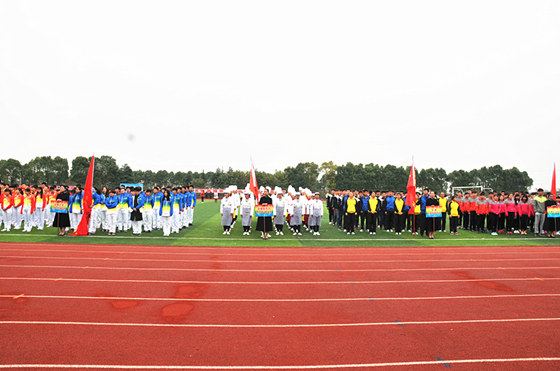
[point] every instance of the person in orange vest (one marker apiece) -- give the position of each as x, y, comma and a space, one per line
39, 214
27, 210
16, 213
6, 205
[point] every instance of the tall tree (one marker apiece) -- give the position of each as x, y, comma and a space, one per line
80, 167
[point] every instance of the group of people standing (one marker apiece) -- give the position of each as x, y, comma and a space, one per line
509, 213
296, 209
115, 209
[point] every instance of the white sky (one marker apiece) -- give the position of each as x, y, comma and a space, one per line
205, 84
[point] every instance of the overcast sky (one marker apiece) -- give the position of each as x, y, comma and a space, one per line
193, 85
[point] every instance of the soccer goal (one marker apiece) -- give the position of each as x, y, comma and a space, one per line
478, 188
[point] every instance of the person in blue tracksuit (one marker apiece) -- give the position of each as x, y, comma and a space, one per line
191, 203
389, 211
111, 203
364, 202
166, 211
422, 217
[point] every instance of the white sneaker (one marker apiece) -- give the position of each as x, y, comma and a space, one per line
348, 233
370, 232
318, 234
277, 233
374, 233
353, 232
361, 230
295, 233
224, 232
494, 234
299, 234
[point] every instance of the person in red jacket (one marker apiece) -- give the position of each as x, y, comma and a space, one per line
524, 209
482, 209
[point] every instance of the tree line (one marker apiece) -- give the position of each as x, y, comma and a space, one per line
326, 176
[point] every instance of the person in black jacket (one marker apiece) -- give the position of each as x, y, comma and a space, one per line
62, 220
550, 223
431, 224
330, 207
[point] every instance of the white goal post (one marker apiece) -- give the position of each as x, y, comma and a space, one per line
478, 188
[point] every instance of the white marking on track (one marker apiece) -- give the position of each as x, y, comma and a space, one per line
274, 282
272, 261
290, 367
324, 254
268, 270
74, 297
310, 239
194, 325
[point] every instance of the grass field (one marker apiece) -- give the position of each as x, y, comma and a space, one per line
207, 231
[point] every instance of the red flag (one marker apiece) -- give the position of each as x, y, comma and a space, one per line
82, 229
553, 188
411, 188
253, 182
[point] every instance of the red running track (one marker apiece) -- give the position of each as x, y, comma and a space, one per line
113, 306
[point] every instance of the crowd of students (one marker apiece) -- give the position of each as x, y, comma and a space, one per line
496, 213
296, 209
115, 209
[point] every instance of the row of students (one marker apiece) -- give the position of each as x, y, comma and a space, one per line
121, 208
296, 209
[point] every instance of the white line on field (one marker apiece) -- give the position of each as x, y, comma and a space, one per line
267, 270
271, 261
71, 297
225, 239
291, 254
60, 279
290, 367
193, 325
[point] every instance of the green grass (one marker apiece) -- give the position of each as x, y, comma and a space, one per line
207, 231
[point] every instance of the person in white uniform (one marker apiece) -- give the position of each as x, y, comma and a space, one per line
279, 213
247, 212
226, 210
315, 214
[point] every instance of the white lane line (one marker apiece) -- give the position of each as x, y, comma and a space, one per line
271, 261
193, 325
225, 240
324, 254
159, 269
291, 367
240, 300
60, 279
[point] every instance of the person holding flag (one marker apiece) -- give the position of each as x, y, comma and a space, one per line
410, 199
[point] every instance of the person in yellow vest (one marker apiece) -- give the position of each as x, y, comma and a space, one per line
443, 201
454, 210
373, 209
399, 214
350, 213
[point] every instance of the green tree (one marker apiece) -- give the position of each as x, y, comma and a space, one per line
434, 179
305, 174
106, 172
11, 171
328, 175
80, 167
125, 174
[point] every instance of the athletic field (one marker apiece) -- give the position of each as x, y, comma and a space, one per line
207, 231
240, 303
169, 307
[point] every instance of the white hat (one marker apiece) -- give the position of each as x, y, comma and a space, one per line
261, 189
298, 194
291, 190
